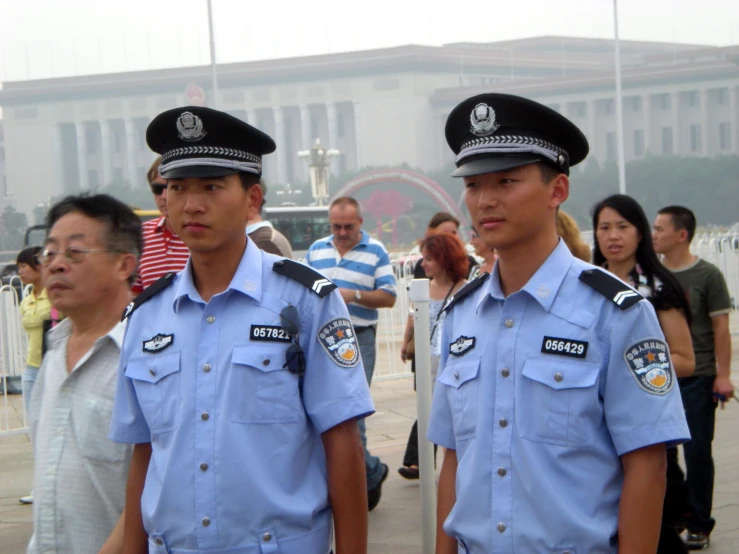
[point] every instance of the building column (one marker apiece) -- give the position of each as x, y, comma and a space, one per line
281, 144
333, 133
646, 105
734, 118
675, 109
592, 120
132, 167
705, 124
57, 183
106, 152
83, 175
357, 136
305, 136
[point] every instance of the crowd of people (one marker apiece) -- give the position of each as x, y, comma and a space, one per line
224, 411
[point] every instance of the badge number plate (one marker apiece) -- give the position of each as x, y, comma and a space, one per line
564, 347
269, 333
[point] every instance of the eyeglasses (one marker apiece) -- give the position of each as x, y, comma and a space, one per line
157, 189
295, 355
72, 255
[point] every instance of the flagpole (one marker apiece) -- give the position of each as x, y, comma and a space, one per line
213, 76
619, 106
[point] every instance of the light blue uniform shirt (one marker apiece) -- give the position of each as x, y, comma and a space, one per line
366, 267
237, 464
538, 429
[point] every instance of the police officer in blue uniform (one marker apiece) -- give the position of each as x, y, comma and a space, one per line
556, 396
240, 380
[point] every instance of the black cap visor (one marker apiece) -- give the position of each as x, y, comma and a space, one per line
199, 171
482, 165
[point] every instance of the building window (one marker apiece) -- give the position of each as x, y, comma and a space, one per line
2, 154
610, 146
5, 186
91, 141
639, 142
665, 101
340, 126
92, 179
609, 106
693, 99
696, 144
578, 109
667, 140
724, 135
117, 174
722, 96
117, 141
636, 103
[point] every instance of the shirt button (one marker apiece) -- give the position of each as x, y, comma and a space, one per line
204, 467
267, 537
501, 527
505, 372
152, 372
206, 368
211, 319
158, 541
204, 416
503, 422
558, 377
502, 471
265, 362
509, 323
206, 521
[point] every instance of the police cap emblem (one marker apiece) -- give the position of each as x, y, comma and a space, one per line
649, 363
483, 121
190, 127
338, 340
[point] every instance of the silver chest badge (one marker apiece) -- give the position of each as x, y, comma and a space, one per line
483, 121
158, 343
190, 127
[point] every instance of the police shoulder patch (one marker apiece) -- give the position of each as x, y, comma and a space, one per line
338, 340
649, 362
306, 276
149, 292
466, 291
611, 287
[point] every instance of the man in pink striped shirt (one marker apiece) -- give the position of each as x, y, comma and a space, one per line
163, 249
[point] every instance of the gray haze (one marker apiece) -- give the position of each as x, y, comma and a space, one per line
45, 38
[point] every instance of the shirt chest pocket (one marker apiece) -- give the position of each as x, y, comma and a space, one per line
461, 377
91, 422
558, 402
262, 391
156, 379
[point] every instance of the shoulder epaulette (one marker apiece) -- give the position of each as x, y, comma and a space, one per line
155, 288
612, 288
306, 276
466, 290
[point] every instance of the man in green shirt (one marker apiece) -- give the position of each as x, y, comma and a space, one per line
710, 305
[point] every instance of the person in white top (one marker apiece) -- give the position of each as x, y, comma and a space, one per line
89, 260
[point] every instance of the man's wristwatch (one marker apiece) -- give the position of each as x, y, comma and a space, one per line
357, 295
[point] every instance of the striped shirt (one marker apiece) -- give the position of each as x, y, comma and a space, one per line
79, 480
163, 252
365, 267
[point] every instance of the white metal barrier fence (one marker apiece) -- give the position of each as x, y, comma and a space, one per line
13, 344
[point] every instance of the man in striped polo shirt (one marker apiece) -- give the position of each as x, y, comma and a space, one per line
163, 249
360, 267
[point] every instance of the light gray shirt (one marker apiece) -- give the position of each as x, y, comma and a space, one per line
80, 475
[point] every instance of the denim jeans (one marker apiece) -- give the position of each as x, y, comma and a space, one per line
372, 464
700, 411
30, 374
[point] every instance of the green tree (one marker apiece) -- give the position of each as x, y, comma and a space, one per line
12, 228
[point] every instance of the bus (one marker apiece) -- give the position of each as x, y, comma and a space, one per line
302, 225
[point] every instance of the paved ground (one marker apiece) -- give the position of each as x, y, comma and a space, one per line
395, 526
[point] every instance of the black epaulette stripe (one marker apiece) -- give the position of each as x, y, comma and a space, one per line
155, 288
466, 290
306, 276
609, 286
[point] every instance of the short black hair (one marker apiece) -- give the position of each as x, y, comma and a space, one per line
548, 172
28, 256
682, 218
248, 180
122, 226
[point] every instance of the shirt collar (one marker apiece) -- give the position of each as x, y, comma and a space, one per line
62, 331
160, 224
247, 279
543, 285
258, 225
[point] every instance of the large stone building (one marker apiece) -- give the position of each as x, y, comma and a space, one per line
379, 108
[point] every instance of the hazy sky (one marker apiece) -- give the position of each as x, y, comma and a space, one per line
45, 38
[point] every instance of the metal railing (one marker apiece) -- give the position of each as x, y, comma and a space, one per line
13, 345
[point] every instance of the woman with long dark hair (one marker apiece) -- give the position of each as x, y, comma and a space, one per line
623, 246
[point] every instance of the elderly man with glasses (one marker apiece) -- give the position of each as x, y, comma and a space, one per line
89, 263
164, 251
240, 381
